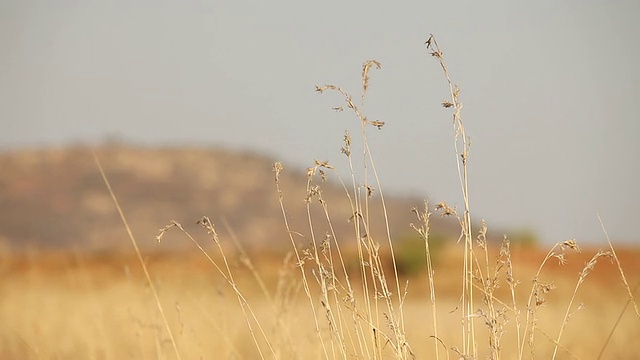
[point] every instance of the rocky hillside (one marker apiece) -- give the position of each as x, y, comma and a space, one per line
55, 198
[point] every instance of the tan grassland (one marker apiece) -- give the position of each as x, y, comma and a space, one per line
61, 306
365, 296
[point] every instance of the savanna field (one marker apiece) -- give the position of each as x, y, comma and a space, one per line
293, 265
76, 306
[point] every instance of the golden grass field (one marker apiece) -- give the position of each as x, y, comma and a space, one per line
328, 299
81, 306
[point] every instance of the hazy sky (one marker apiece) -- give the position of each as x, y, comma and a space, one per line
551, 92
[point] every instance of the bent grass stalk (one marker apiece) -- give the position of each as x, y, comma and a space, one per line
228, 277
538, 290
624, 278
134, 243
583, 274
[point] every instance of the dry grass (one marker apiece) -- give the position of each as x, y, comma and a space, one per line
100, 307
329, 298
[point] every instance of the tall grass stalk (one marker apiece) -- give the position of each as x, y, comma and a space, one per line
624, 278
380, 308
462, 146
277, 169
227, 275
423, 231
134, 243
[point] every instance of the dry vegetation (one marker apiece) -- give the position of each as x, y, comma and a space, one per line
62, 306
329, 297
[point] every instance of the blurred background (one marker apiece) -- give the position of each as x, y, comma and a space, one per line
188, 105
549, 91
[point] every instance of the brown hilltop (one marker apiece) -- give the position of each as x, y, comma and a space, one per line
55, 198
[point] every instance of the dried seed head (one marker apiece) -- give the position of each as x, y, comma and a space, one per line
429, 40
323, 176
325, 246
346, 149
446, 210
164, 230
366, 66
482, 236
311, 171
277, 168
347, 139
324, 164
560, 257
378, 124
447, 104
572, 244
370, 190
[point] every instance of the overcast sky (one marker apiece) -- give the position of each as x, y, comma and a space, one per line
551, 92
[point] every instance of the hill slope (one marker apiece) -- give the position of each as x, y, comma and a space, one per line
55, 198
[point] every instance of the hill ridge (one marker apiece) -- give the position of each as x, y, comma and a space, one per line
55, 198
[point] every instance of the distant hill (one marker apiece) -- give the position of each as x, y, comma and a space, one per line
55, 198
